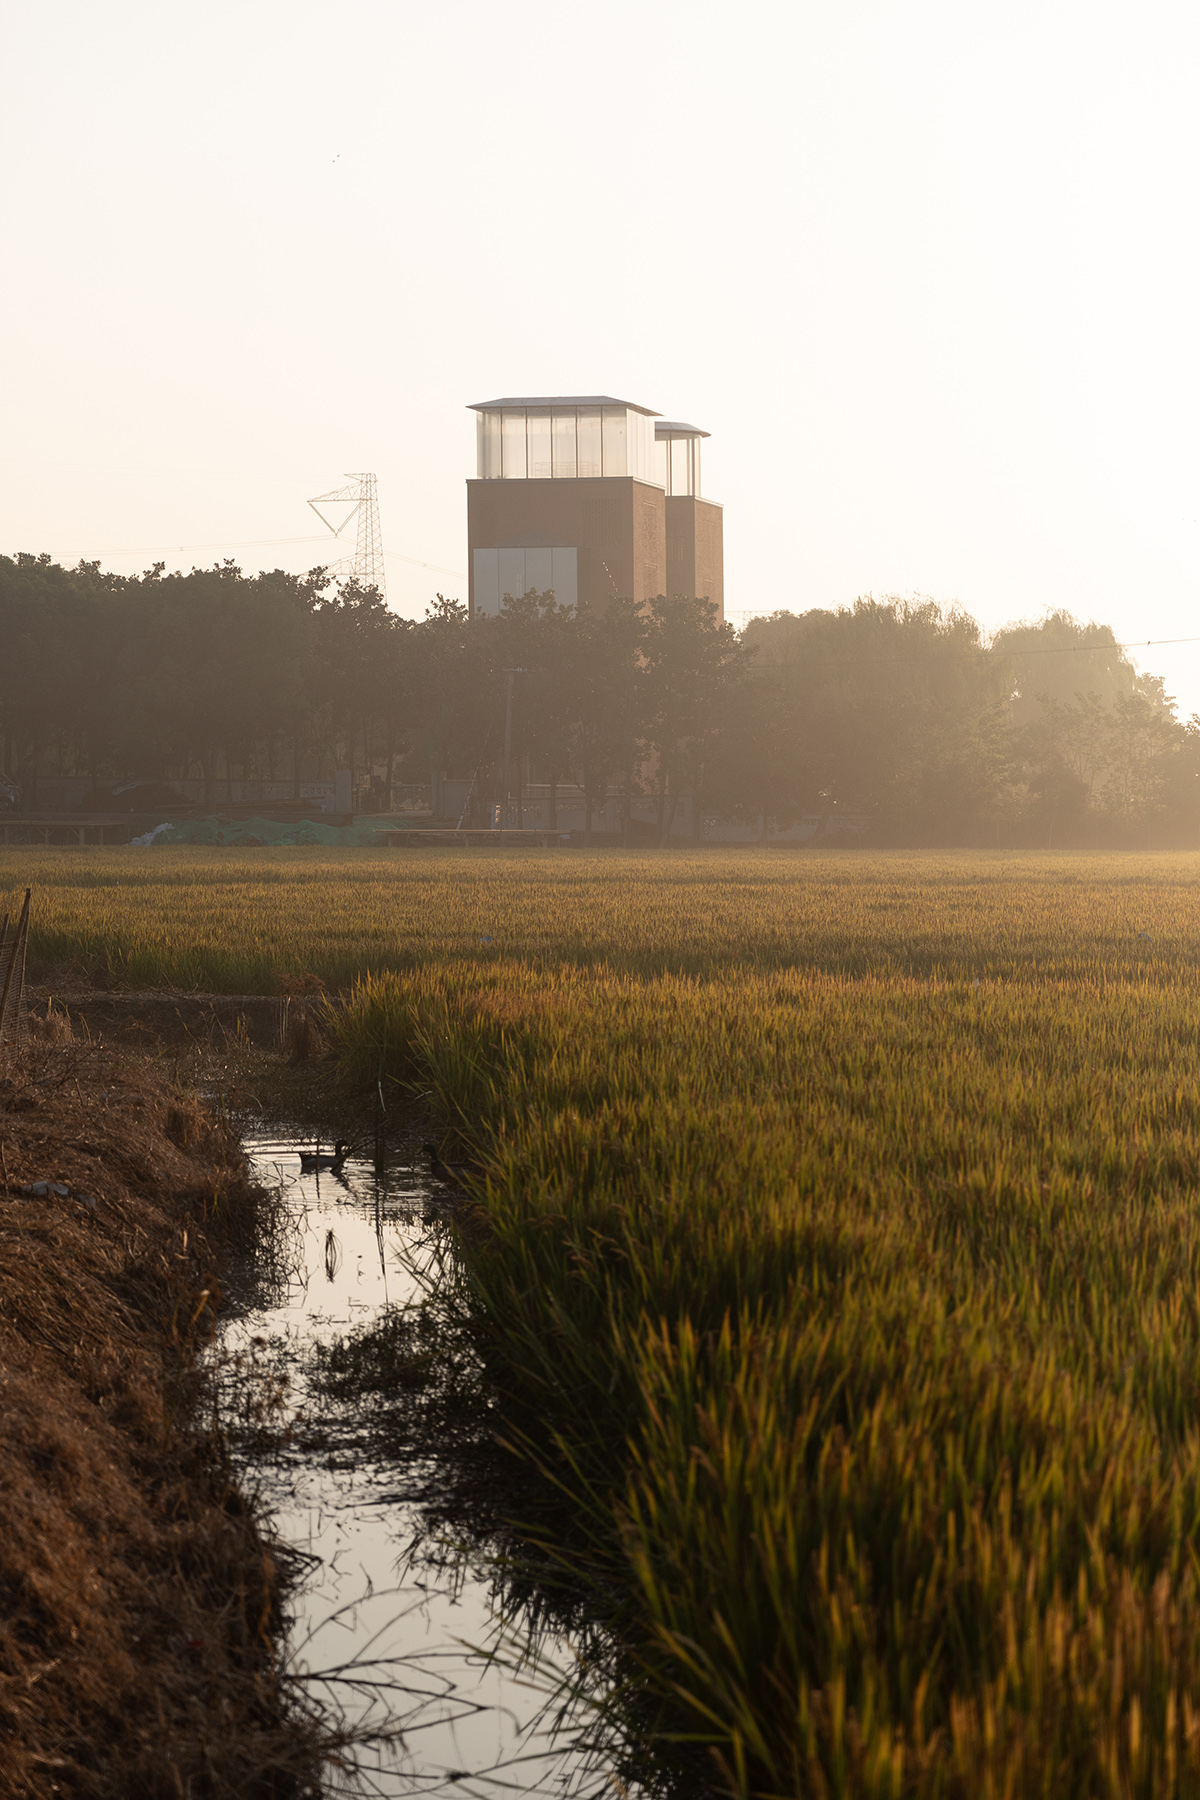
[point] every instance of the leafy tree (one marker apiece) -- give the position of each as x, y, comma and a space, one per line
602, 676
458, 710
750, 766
1059, 659
1104, 753
536, 636
895, 709
690, 659
363, 679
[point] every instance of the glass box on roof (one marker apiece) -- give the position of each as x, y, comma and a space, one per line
556, 441
679, 453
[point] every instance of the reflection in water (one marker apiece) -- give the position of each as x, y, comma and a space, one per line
386, 1634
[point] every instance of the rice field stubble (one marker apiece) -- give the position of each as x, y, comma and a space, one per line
841, 1258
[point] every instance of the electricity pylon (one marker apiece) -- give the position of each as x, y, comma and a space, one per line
366, 565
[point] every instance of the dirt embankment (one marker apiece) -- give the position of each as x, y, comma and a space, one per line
138, 1603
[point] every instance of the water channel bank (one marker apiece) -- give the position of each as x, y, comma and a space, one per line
403, 1628
140, 1600
234, 1568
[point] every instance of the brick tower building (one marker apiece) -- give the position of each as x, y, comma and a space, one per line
594, 497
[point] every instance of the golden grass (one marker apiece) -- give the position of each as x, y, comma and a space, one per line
236, 921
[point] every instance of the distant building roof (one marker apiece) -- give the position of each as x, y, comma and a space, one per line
669, 428
513, 401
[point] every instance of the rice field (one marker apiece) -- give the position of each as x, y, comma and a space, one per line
841, 1259
237, 921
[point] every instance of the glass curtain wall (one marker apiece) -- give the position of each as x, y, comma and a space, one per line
537, 437
615, 435
565, 459
643, 463
591, 455
513, 437
487, 442
539, 444
683, 465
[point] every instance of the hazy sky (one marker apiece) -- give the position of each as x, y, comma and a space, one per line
927, 272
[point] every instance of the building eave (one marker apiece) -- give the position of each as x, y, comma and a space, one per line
515, 402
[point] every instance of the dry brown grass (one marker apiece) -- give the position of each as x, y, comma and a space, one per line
138, 1601
304, 1038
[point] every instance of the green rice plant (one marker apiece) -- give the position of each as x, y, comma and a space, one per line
861, 1314
835, 1248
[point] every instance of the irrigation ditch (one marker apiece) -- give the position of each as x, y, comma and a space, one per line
354, 1587
144, 1614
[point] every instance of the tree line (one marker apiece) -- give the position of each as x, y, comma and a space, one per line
896, 714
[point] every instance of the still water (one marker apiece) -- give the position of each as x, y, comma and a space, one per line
384, 1633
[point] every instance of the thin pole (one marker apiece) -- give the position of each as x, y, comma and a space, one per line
12, 961
507, 748
24, 949
511, 673
3, 948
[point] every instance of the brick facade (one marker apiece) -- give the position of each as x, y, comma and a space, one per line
633, 541
617, 524
695, 548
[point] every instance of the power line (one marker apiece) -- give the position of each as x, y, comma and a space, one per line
1014, 650
1131, 644
440, 567
262, 543
217, 544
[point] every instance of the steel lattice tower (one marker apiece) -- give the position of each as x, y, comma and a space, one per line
366, 565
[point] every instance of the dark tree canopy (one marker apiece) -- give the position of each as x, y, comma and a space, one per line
896, 713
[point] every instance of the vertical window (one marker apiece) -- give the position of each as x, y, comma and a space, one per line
538, 438
511, 574
590, 454
616, 455
514, 446
683, 465
565, 576
645, 447
487, 582
633, 426
487, 443
564, 444
539, 570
